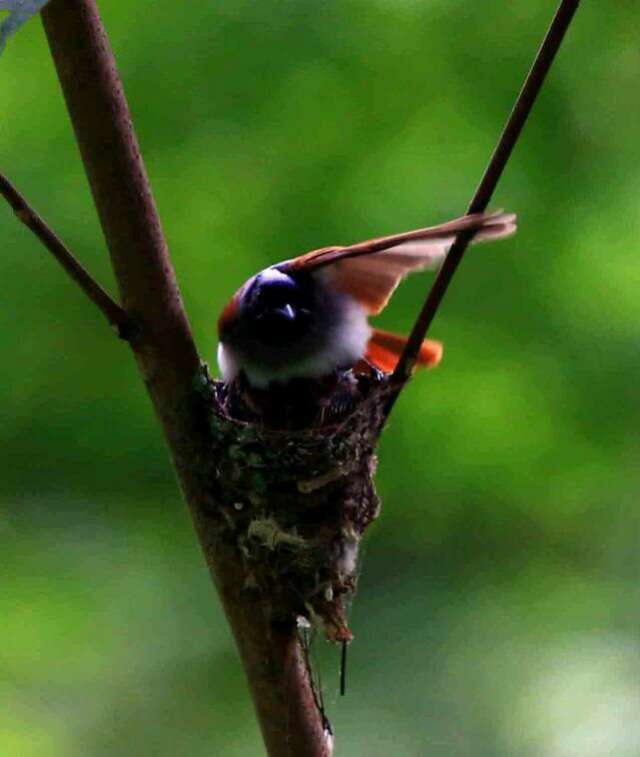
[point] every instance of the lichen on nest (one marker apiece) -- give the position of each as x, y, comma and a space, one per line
292, 480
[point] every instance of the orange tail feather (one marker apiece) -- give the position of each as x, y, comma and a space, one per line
384, 350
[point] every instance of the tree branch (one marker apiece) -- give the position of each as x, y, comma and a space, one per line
521, 110
168, 361
116, 316
245, 484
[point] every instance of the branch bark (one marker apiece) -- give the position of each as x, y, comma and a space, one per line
168, 361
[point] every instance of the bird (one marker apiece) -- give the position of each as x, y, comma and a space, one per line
307, 317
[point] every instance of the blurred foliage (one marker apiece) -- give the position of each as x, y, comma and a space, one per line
498, 611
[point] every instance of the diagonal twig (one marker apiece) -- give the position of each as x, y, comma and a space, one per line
481, 198
116, 315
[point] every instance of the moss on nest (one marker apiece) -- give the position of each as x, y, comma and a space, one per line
292, 478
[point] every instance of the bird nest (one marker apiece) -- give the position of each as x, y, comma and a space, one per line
292, 479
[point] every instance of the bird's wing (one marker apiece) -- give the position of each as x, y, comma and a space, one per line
370, 271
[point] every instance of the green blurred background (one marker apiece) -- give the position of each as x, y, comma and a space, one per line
498, 610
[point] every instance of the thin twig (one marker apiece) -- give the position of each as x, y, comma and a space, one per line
480, 201
116, 316
343, 669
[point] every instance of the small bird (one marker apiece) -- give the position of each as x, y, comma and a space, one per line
309, 316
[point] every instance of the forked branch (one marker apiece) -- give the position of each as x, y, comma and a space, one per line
291, 721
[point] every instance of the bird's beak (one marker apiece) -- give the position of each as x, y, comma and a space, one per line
286, 312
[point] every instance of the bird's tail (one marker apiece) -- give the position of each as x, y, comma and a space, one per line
384, 350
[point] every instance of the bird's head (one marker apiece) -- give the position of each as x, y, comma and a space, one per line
273, 308
277, 306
